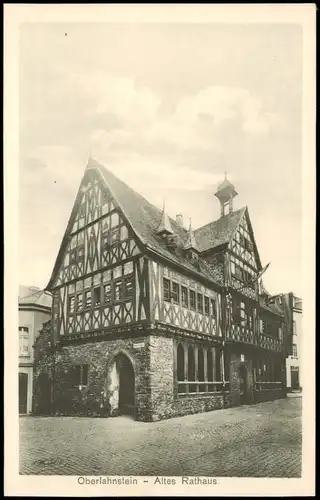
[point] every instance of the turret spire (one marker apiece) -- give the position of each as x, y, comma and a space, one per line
190, 243
165, 225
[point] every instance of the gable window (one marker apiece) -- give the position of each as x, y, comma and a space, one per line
82, 210
199, 303
71, 304
81, 374
166, 289
175, 293
79, 301
97, 296
107, 293
115, 234
105, 242
206, 305
184, 296
73, 256
192, 300
87, 298
128, 288
118, 290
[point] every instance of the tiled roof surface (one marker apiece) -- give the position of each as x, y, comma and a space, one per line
144, 219
33, 295
218, 232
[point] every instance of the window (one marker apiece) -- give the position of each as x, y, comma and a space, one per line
294, 350
236, 310
128, 288
81, 374
87, 298
180, 362
73, 256
71, 304
23, 329
175, 293
213, 308
82, 210
192, 300
114, 219
123, 233
184, 296
199, 303
294, 328
242, 313
280, 336
166, 289
79, 301
107, 293
80, 255
97, 296
105, 242
118, 290
115, 235
206, 305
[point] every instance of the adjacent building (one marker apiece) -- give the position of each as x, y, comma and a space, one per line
34, 310
292, 306
155, 319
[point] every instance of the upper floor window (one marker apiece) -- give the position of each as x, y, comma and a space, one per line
166, 289
128, 287
87, 298
206, 305
213, 307
184, 296
107, 293
79, 301
175, 293
71, 304
23, 329
97, 296
294, 350
200, 302
294, 328
118, 290
192, 299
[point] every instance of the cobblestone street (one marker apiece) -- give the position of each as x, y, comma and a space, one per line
262, 440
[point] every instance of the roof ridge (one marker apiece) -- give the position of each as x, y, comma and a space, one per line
217, 220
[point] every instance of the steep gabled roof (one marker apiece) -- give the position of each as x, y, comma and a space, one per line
218, 232
143, 217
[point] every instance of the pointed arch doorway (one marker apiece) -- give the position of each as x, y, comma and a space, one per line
121, 386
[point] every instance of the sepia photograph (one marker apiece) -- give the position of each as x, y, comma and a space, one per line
162, 285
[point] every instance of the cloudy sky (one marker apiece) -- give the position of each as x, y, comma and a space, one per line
168, 108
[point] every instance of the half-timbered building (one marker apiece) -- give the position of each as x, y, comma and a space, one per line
155, 319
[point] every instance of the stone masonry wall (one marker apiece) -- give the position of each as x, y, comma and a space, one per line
69, 400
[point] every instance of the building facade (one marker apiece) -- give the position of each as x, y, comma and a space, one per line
153, 319
34, 310
293, 308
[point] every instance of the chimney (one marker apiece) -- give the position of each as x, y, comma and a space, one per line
179, 220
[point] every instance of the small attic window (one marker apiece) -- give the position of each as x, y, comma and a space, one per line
171, 240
